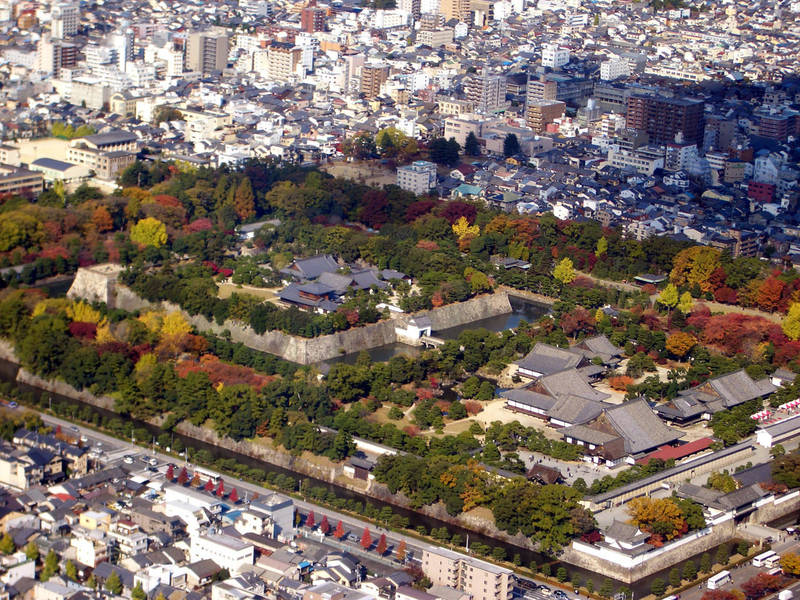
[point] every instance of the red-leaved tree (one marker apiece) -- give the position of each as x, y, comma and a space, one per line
366, 539
339, 533
310, 522
234, 496
381, 547
221, 488
209, 486
325, 527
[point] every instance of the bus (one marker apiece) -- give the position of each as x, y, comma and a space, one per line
206, 475
718, 580
761, 559
772, 561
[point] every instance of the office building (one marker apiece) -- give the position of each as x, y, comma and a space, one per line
486, 91
207, 51
226, 551
64, 20
554, 57
372, 77
419, 177
540, 113
663, 118
312, 19
15, 181
540, 88
480, 579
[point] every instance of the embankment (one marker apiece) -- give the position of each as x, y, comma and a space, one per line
97, 284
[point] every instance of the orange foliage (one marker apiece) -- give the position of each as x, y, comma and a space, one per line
221, 372
428, 245
102, 219
411, 430
620, 382
473, 407
54, 251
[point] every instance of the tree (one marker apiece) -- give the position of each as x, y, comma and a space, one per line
324, 526
723, 554
694, 266
669, 296
366, 539
761, 584
471, 146
149, 232
220, 489
564, 271
209, 486
722, 482
602, 247
50, 566
102, 219
113, 585
463, 229
381, 547
32, 551
791, 324
7, 545
659, 516
685, 303
511, 145
183, 476
244, 199
340, 532
170, 472
689, 570
674, 577
790, 563
401, 551
680, 343
705, 563
91, 583
234, 496
310, 520
606, 588
658, 587
444, 152
71, 571
561, 574
138, 593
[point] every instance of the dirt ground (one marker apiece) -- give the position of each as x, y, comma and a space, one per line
372, 174
495, 410
226, 289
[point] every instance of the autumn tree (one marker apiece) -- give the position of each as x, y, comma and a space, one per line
668, 296
170, 472
339, 532
234, 496
564, 271
183, 476
761, 584
791, 324
768, 296
381, 547
660, 516
694, 266
244, 199
463, 229
401, 551
209, 486
680, 343
685, 303
366, 539
790, 563
324, 526
602, 247
310, 520
220, 489
102, 219
149, 232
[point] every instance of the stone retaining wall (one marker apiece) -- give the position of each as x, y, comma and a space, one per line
297, 349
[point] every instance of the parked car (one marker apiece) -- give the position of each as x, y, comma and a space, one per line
545, 591
561, 595
127, 459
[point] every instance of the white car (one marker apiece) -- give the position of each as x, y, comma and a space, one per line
128, 459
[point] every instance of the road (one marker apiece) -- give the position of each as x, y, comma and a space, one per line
115, 451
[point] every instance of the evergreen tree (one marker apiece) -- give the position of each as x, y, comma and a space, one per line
657, 587
138, 593
50, 566
71, 571
472, 147
511, 145
674, 577
705, 563
32, 551
7, 545
113, 585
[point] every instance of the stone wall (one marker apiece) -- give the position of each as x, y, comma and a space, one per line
7, 351
95, 283
64, 389
719, 534
779, 507
89, 284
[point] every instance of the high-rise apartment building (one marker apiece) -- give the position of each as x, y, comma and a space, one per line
52, 55
312, 19
372, 77
412, 7
486, 91
480, 579
282, 60
539, 88
663, 118
419, 177
540, 113
207, 51
455, 9
64, 20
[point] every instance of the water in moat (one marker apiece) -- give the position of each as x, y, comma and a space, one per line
521, 310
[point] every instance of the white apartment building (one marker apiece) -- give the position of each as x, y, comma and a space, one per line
225, 550
64, 20
419, 177
645, 159
554, 56
614, 69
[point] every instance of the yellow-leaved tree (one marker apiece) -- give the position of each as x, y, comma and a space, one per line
564, 271
174, 326
149, 232
463, 229
656, 515
82, 312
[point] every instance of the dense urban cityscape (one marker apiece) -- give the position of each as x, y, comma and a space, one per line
399, 299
